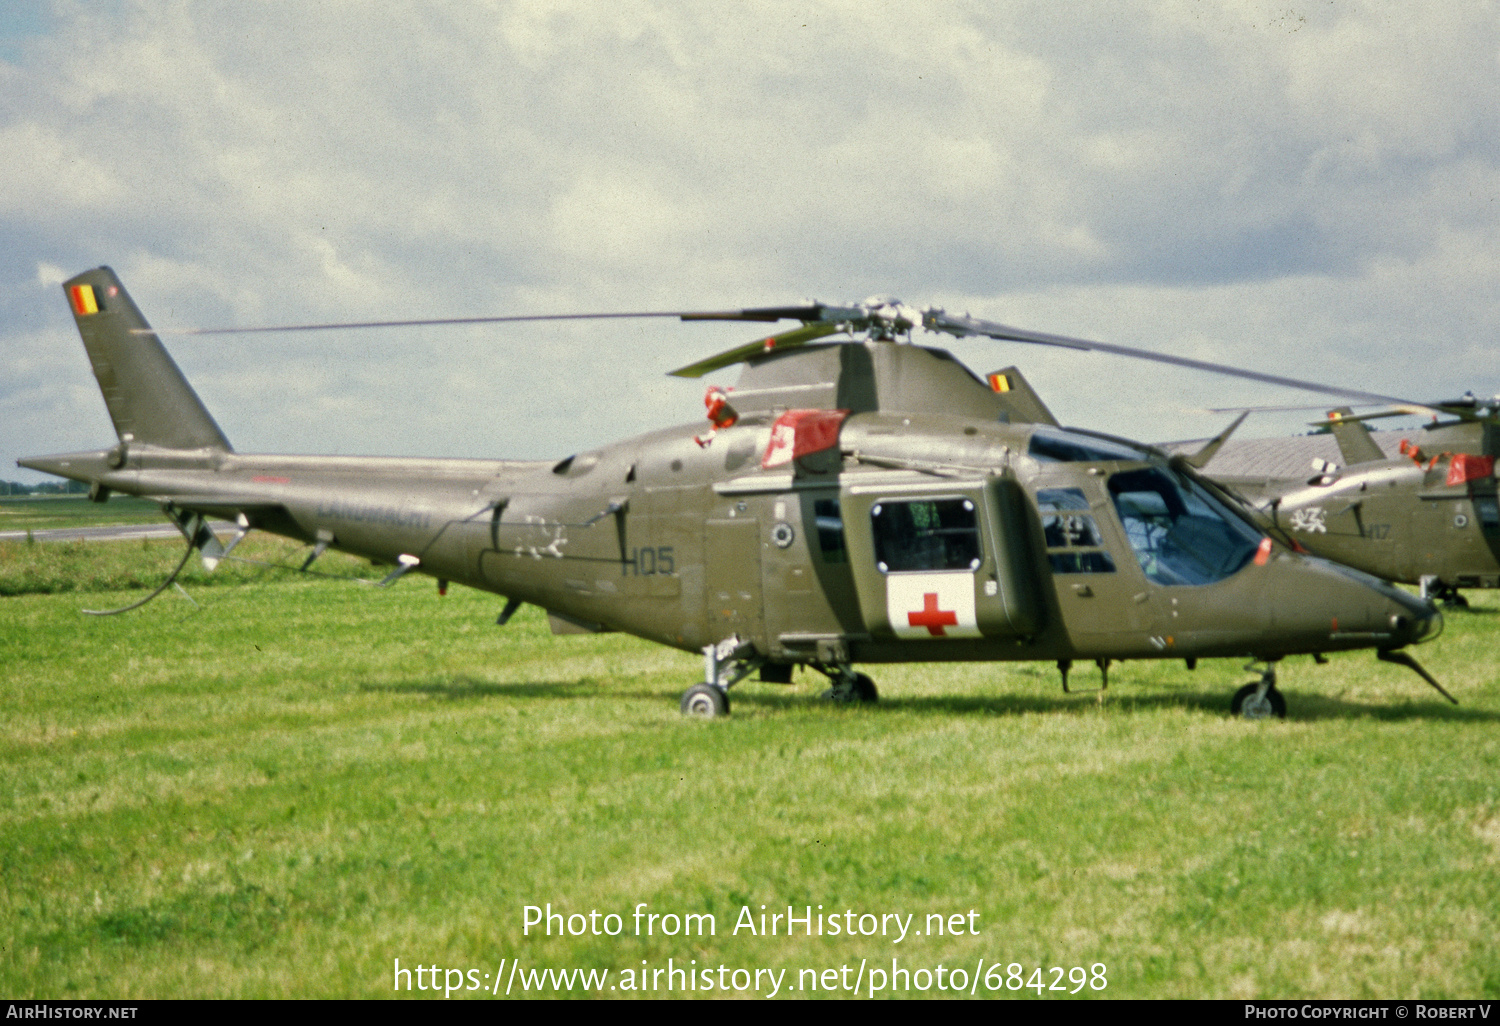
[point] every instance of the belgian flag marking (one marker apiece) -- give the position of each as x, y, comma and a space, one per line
83, 300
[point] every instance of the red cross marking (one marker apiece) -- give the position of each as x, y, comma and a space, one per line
932, 617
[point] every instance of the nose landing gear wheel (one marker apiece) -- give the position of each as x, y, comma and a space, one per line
705, 702
1251, 706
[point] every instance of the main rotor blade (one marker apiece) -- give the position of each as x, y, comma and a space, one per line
953, 325
786, 340
767, 314
1403, 411
1290, 408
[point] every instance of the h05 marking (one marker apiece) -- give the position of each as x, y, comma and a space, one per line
648, 562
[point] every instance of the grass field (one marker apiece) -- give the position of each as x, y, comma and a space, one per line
36, 513
46, 568
282, 792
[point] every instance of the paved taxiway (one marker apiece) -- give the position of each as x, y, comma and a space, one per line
126, 532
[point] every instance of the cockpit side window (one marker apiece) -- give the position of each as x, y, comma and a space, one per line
1181, 535
925, 534
1074, 545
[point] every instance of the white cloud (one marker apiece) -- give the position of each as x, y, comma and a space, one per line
1310, 189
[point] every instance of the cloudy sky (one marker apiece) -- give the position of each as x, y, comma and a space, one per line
1307, 188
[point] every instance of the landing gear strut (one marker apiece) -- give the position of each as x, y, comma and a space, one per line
1434, 590
1064, 665
1260, 700
724, 666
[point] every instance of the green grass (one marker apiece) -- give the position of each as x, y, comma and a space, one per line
36, 513
280, 793
45, 568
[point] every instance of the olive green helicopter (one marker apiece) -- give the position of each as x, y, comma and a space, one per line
862, 501
1426, 514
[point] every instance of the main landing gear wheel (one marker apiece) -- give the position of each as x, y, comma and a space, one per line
1434, 590
853, 689
705, 702
1258, 707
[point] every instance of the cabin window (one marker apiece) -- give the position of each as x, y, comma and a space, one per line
830, 524
1074, 545
1180, 533
925, 534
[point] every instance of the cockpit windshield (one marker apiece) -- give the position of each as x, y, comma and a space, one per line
1050, 445
1180, 533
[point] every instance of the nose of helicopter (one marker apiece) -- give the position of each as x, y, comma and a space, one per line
1355, 610
1422, 623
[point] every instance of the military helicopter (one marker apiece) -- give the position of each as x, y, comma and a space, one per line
851, 502
1426, 515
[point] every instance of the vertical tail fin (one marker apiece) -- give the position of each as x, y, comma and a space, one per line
149, 400
1021, 400
1203, 456
1355, 442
